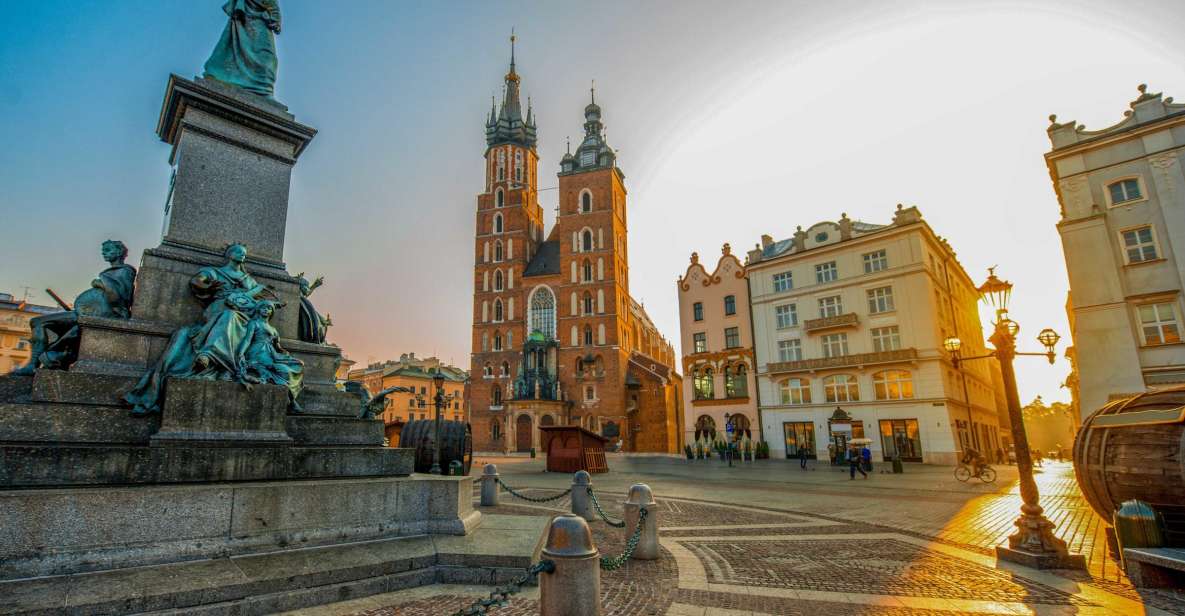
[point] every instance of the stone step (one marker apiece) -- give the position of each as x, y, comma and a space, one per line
34, 465
14, 388
72, 423
313, 430
494, 553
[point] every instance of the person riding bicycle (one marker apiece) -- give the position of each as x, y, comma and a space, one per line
975, 460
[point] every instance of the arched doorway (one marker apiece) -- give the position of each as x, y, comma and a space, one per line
740, 426
522, 433
705, 428
546, 420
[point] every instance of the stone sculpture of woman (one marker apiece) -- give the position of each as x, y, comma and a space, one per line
246, 54
311, 326
267, 361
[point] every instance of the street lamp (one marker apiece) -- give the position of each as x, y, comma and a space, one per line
1033, 543
438, 381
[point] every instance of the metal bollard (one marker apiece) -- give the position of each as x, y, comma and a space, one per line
574, 588
640, 496
489, 486
581, 502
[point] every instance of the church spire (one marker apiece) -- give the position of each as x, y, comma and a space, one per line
509, 125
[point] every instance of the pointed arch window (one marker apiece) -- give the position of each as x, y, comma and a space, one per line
518, 165
498, 280
505, 369
497, 223
542, 312
497, 251
586, 201
587, 270
487, 371
497, 310
501, 173
588, 338
588, 305
497, 341
496, 397
499, 198
586, 240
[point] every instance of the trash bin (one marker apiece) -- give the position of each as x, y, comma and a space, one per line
1137, 525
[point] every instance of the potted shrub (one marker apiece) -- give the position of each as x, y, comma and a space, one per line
687, 452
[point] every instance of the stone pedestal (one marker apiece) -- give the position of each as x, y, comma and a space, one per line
201, 412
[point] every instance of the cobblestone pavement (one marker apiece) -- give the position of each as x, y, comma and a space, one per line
733, 543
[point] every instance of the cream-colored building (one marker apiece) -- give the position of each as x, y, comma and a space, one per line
848, 324
1122, 196
719, 384
15, 315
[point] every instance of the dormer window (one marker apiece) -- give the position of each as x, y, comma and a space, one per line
588, 158
1124, 191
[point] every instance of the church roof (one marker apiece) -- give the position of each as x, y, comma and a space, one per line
546, 260
505, 124
594, 151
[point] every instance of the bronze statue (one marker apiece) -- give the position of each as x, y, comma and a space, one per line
245, 56
311, 326
56, 336
372, 405
267, 361
233, 342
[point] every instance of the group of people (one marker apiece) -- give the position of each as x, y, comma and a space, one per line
857, 457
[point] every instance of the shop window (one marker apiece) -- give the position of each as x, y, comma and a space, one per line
901, 437
799, 435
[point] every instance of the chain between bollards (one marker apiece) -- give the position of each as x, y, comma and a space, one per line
531, 499
601, 512
501, 596
611, 564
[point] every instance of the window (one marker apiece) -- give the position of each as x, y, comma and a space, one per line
586, 240
496, 396
841, 388
588, 305
588, 339
505, 369
875, 262
497, 310
588, 158
886, 339
543, 312
732, 337
1158, 323
498, 251
697, 311
893, 385
497, 223
704, 388
497, 341
496, 429
790, 350
783, 281
1139, 245
587, 270
730, 304
786, 315
830, 306
795, 391
498, 280
518, 165
499, 198
826, 272
1124, 191
586, 202
880, 300
835, 345
736, 384
590, 393
699, 342
501, 165
411, 402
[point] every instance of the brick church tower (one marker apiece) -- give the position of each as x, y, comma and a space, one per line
557, 339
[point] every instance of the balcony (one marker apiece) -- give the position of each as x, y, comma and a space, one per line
836, 322
843, 361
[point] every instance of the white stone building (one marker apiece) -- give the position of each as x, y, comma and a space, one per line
1122, 196
848, 324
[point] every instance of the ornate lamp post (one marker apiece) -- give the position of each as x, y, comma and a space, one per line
438, 381
1033, 544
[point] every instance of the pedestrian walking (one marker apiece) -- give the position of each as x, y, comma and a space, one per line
866, 457
802, 457
854, 461
831, 454
1000, 456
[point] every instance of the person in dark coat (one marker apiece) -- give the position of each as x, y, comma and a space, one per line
802, 457
854, 461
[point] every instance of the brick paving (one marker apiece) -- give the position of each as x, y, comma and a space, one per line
817, 545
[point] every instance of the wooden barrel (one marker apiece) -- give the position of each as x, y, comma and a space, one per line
456, 441
1135, 448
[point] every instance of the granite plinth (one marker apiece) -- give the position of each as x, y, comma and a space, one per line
74, 530
290, 579
306, 430
233, 163
219, 413
15, 388
40, 465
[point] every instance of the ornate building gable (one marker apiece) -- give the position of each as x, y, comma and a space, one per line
727, 266
1146, 108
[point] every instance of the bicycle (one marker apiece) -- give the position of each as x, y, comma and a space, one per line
986, 473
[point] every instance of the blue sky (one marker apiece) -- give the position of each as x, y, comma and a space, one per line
730, 119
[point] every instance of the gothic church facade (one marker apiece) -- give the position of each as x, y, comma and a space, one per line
557, 338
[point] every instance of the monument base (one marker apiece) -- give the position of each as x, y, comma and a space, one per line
292, 578
1041, 560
